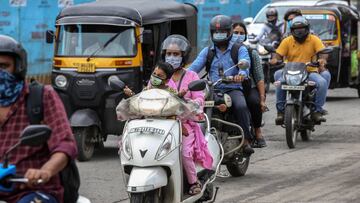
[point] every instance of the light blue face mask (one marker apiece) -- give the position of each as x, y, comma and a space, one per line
289, 22
175, 61
238, 38
219, 35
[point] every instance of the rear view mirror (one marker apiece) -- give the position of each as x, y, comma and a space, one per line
147, 37
115, 83
243, 64
197, 85
326, 50
248, 20
49, 36
35, 135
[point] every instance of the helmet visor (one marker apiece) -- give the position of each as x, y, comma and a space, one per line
175, 44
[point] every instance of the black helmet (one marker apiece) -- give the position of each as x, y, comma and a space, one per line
271, 12
220, 23
10, 46
300, 28
292, 11
181, 42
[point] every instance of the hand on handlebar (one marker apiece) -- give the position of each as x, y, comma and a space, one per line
238, 78
128, 92
273, 61
34, 175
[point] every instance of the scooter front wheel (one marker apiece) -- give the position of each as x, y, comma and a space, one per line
153, 196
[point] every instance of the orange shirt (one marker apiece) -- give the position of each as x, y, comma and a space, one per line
296, 52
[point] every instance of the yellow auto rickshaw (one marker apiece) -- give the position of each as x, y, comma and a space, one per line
97, 41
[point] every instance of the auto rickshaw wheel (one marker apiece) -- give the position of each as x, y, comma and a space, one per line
83, 136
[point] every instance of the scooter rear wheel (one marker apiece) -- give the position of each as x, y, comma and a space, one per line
239, 168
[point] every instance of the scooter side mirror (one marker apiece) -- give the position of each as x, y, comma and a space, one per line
35, 135
115, 83
243, 64
197, 85
326, 50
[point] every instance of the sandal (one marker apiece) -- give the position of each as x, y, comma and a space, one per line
195, 188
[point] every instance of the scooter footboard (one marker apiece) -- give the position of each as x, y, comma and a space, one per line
146, 179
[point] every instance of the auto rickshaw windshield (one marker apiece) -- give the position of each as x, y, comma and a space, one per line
323, 25
86, 40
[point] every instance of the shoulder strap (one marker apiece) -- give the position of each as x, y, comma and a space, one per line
209, 58
235, 52
34, 103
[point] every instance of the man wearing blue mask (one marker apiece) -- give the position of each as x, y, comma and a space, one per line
221, 35
35, 163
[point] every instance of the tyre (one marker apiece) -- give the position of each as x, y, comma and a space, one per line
83, 137
238, 168
146, 197
305, 135
358, 89
290, 126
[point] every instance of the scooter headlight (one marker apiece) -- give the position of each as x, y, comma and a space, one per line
294, 80
61, 81
166, 147
126, 147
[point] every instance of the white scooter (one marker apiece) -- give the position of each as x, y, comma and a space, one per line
150, 150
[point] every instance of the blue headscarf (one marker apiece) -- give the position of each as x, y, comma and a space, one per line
10, 88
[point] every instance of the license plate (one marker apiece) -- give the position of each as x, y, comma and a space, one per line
289, 87
86, 67
209, 103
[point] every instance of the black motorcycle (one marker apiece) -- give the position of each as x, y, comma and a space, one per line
300, 95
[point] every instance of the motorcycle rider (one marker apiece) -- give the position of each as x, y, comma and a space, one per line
288, 17
272, 25
35, 162
300, 47
176, 50
255, 97
221, 34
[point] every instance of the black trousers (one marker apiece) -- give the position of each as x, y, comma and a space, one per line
253, 103
241, 112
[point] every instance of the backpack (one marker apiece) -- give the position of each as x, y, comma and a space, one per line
234, 52
70, 177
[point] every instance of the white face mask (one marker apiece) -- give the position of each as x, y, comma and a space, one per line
220, 35
175, 61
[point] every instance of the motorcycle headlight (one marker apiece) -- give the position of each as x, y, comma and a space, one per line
165, 148
228, 101
294, 80
126, 147
261, 50
61, 81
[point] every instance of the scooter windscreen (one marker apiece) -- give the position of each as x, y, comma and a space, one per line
156, 103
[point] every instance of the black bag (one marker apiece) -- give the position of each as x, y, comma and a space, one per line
70, 177
246, 84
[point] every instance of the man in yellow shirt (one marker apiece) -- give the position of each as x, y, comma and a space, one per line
300, 47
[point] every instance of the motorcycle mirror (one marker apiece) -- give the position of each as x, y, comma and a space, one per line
35, 135
116, 84
243, 64
197, 85
32, 135
326, 50
269, 48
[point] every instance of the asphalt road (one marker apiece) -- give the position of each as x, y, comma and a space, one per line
325, 169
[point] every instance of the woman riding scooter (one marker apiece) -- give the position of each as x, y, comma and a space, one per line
176, 50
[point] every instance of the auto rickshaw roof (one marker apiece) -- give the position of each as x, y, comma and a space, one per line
338, 11
141, 12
